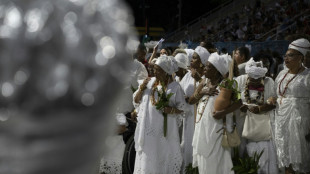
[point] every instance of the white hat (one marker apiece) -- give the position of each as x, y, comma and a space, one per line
151, 44
189, 53
220, 62
168, 64
182, 60
255, 71
302, 45
203, 54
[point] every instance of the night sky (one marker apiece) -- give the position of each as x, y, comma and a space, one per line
164, 13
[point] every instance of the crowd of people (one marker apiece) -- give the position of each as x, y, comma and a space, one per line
251, 23
183, 118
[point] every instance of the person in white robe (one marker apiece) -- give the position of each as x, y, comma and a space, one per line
156, 153
208, 153
255, 90
292, 120
189, 84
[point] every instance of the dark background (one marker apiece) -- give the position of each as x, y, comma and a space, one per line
165, 13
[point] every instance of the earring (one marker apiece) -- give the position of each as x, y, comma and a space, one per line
201, 65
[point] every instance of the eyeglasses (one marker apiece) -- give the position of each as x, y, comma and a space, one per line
291, 55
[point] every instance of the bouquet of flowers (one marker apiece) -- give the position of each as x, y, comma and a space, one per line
163, 101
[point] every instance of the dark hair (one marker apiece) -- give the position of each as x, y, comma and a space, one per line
142, 47
244, 51
263, 55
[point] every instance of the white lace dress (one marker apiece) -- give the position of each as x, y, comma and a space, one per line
292, 121
268, 160
156, 154
208, 153
188, 86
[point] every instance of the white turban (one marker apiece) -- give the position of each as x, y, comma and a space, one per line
220, 62
203, 54
182, 60
254, 69
167, 63
189, 53
301, 45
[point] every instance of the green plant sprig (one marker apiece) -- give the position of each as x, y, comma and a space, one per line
163, 101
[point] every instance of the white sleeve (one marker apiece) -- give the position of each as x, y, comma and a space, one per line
142, 73
180, 99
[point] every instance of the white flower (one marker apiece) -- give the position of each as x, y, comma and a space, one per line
160, 89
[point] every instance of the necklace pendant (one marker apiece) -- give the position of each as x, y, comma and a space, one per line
281, 100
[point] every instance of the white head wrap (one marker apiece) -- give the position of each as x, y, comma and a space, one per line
168, 64
189, 53
301, 45
153, 60
203, 54
220, 62
182, 60
254, 69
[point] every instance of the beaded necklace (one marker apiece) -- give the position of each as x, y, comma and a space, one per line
286, 86
205, 104
259, 100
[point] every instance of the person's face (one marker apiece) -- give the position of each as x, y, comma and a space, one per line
239, 59
307, 60
163, 52
255, 82
159, 72
266, 63
210, 71
293, 59
195, 62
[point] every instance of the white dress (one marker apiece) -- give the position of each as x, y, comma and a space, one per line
292, 121
156, 154
268, 161
188, 86
208, 153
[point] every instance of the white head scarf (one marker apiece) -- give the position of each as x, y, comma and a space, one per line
302, 45
168, 64
254, 69
182, 60
189, 53
203, 54
220, 62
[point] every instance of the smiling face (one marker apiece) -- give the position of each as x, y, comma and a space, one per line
163, 52
293, 59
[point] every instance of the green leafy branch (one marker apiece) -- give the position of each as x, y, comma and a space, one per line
163, 101
231, 84
248, 165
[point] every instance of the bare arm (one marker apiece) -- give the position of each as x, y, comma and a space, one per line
141, 89
153, 54
234, 106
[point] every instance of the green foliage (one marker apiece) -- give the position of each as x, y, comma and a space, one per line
232, 85
247, 165
190, 170
163, 101
133, 89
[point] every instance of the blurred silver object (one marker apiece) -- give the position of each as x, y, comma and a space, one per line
62, 64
